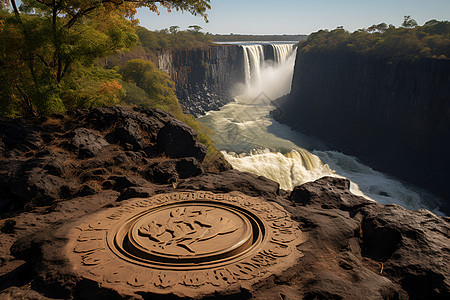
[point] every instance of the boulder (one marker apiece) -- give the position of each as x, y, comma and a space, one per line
162, 172
168, 171
373, 251
127, 132
150, 121
36, 186
177, 140
329, 192
86, 142
17, 136
188, 167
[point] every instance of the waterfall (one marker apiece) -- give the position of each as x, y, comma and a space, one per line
282, 52
271, 78
253, 60
291, 169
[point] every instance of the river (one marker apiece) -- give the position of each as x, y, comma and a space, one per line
253, 142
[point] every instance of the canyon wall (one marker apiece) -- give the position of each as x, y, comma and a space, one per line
204, 77
393, 115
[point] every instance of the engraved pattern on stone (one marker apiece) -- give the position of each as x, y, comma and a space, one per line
185, 243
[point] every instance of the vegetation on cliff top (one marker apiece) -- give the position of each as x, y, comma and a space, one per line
256, 38
147, 87
173, 38
49, 50
407, 42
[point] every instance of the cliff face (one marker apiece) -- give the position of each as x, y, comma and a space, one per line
394, 115
204, 77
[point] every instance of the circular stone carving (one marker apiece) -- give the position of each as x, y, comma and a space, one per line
189, 244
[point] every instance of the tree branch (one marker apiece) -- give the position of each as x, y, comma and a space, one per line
16, 11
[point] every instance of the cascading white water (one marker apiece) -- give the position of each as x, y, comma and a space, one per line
253, 142
253, 59
282, 52
264, 76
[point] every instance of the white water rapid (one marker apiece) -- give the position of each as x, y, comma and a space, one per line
253, 142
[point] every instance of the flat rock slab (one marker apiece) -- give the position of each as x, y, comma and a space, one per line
188, 244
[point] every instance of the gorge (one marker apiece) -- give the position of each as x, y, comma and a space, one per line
252, 75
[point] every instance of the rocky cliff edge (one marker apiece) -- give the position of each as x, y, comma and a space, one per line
65, 167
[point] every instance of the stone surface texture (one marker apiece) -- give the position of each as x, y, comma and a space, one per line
350, 248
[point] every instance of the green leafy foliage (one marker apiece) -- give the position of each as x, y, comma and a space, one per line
173, 38
145, 86
49, 64
157, 85
408, 42
47, 61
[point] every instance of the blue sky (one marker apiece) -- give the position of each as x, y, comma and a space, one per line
299, 16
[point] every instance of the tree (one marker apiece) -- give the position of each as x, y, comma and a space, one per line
432, 22
195, 28
408, 22
382, 27
158, 86
174, 29
49, 40
372, 28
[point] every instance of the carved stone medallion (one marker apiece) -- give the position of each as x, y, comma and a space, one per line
188, 244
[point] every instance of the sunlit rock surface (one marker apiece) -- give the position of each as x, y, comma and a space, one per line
343, 246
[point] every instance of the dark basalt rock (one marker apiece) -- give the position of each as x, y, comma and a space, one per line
170, 171
162, 172
392, 252
68, 164
188, 167
16, 136
233, 180
130, 122
136, 192
178, 140
34, 185
345, 254
120, 183
86, 142
87, 190
393, 114
353, 248
55, 165
330, 192
128, 133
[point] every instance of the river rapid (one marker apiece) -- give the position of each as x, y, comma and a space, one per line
253, 142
